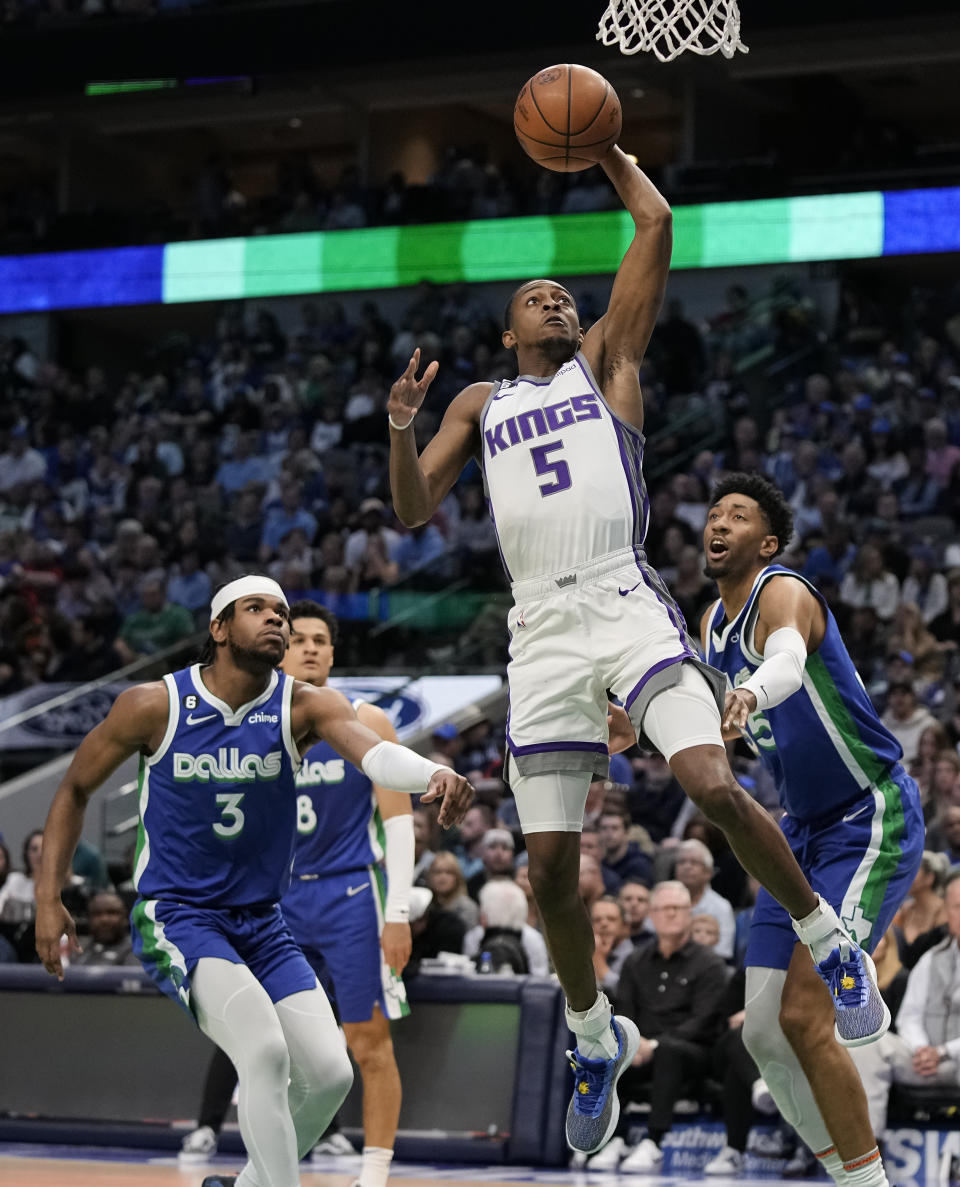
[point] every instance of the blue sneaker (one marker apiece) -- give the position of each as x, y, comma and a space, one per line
594, 1111
862, 1015
219, 1181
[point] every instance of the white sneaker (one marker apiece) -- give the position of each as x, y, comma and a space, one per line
335, 1145
727, 1162
198, 1146
646, 1158
760, 1096
608, 1159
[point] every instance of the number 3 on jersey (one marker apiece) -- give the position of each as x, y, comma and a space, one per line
233, 820
543, 466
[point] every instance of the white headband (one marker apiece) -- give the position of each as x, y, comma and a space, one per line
245, 587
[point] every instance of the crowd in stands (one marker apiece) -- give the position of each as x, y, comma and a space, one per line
125, 499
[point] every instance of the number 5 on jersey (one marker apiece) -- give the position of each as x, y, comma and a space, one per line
543, 466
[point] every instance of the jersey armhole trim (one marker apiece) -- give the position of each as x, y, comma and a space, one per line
173, 720
286, 702
750, 625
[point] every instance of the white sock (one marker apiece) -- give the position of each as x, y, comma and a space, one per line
832, 1163
375, 1167
595, 1035
820, 930
865, 1171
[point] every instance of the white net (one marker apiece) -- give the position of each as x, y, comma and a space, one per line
668, 27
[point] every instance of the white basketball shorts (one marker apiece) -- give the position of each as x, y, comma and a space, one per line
608, 625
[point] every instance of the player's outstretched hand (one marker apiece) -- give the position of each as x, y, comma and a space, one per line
455, 794
622, 735
737, 708
53, 921
407, 394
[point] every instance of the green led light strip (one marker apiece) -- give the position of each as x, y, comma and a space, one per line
126, 88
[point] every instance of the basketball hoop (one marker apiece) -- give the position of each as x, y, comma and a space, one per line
668, 27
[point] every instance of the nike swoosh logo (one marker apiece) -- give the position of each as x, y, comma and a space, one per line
352, 890
623, 592
191, 720
859, 812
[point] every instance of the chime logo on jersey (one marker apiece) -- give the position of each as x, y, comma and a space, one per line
227, 766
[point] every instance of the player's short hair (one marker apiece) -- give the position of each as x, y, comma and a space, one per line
208, 652
508, 308
776, 510
306, 608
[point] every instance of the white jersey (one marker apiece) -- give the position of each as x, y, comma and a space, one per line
562, 472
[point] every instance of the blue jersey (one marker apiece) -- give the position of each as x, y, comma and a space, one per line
218, 798
825, 744
338, 822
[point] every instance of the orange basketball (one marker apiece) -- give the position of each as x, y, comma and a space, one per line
567, 117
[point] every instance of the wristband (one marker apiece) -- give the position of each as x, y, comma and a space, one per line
402, 428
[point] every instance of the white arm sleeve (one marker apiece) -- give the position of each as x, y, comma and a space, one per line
398, 859
781, 673
398, 768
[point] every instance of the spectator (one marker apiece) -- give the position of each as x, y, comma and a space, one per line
949, 832
622, 856
673, 991
591, 845
422, 556
189, 587
110, 942
869, 583
735, 1068
445, 878
924, 909
20, 464
926, 1048
924, 586
473, 829
154, 627
17, 899
287, 517
694, 868
945, 628
611, 943
496, 855
503, 930
906, 718
704, 929
634, 899
425, 830
590, 883
371, 551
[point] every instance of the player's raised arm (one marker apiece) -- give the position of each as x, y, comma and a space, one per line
419, 483
327, 714
790, 624
136, 721
399, 858
620, 337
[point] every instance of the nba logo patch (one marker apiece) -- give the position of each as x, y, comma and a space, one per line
520, 621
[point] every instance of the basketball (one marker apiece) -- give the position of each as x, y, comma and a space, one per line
566, 117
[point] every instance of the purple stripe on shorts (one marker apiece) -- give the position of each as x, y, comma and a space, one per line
658, 667
549, 747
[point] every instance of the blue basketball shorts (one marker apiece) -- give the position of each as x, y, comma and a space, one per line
170, 937
862, 859
337, 920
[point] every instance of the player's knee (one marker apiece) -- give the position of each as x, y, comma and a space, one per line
765, 1043
338, 1076
804, 1025
719, 797
267, 1056
373, 1052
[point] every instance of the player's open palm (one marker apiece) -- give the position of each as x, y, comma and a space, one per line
407, 394
455, 795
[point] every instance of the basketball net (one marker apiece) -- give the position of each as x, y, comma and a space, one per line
668, 27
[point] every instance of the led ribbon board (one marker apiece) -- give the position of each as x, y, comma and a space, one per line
712, 235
